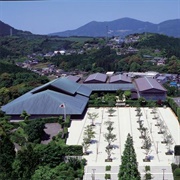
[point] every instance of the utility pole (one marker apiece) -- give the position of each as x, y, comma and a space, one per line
107, 34
93, 174
10, 31
163, 173
157, 147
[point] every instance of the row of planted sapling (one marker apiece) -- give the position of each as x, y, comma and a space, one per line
110, 137
163, 129
89, 134
144, 136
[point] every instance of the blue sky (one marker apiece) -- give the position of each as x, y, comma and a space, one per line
43, 17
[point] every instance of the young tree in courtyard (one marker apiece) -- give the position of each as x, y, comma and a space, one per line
111, 111
89, 134
92, 117
109, 137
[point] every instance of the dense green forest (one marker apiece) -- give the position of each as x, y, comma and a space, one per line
15, 81
19, 46
34, 160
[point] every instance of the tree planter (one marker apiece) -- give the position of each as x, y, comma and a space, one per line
108, 160
142, 137
146, 160
169, 153
161, 132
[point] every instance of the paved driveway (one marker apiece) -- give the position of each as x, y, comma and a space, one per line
51, 130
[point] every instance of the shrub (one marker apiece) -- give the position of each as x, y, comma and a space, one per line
147, 168
73, 150
107, 176
177, 150
127, 94
148, 176
174, 166
67, 123
108, 168
177, 172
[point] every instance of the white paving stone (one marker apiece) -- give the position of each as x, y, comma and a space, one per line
125, 121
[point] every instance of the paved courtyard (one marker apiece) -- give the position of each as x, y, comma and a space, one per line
125, 121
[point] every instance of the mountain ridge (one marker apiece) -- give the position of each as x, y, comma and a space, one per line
123, 27
119, 27
6, 29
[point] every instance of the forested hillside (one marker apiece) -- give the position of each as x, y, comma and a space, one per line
168, 45
15, 81
19, 46
106, 58
96, 56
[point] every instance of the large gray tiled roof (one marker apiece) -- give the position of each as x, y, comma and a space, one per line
145, 83
46, 101
66, 86
73, 78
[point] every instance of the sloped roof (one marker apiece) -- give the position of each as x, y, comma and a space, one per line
96, 76
66, 86
145, 83
73, 78
47, 102
110, 87
119, 77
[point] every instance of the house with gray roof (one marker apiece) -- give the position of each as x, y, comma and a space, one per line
162, 79
47, 100
120, 78
96, 78
150, 89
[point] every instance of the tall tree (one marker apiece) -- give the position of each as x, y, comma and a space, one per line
25, 163
7, 156
129, 167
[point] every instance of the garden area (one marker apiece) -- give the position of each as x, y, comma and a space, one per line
23, 156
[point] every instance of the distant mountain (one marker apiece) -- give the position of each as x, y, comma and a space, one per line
6, 29
123, 27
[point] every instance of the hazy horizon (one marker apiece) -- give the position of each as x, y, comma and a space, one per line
45, 17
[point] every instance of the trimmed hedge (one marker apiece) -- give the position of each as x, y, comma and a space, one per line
174, 107
67, 123
177, 150
73, 150
177, 172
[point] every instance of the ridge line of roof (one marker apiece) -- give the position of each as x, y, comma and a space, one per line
149, 82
